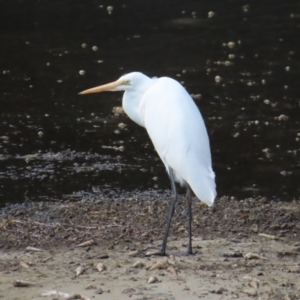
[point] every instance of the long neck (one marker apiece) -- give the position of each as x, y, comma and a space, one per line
130, 102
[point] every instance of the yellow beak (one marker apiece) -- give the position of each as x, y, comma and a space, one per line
102, 88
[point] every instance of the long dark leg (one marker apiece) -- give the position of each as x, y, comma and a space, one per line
171, 212
189, 208
162, 252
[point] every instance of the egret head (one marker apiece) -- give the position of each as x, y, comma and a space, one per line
127, 82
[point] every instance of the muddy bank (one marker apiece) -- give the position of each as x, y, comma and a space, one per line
118, 219
141, 218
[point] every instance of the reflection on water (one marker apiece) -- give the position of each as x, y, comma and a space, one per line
251, 113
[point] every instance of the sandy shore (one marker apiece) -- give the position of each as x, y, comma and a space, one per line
256, 258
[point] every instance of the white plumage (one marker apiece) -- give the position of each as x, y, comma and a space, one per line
174, 125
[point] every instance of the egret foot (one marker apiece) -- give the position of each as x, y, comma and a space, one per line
158, 253
188, 253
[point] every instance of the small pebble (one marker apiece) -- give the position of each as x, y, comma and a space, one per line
231, 253
122, 125
90, 287
211, 14
138, 264
218, 79
246, 8
99, 291
109, 9
282, 118
231, 45
81, 72
152, 279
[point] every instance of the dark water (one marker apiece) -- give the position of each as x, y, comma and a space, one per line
72, 137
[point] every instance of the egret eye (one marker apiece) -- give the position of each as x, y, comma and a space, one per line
127, 81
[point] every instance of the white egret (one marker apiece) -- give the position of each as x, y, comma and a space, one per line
178, 133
